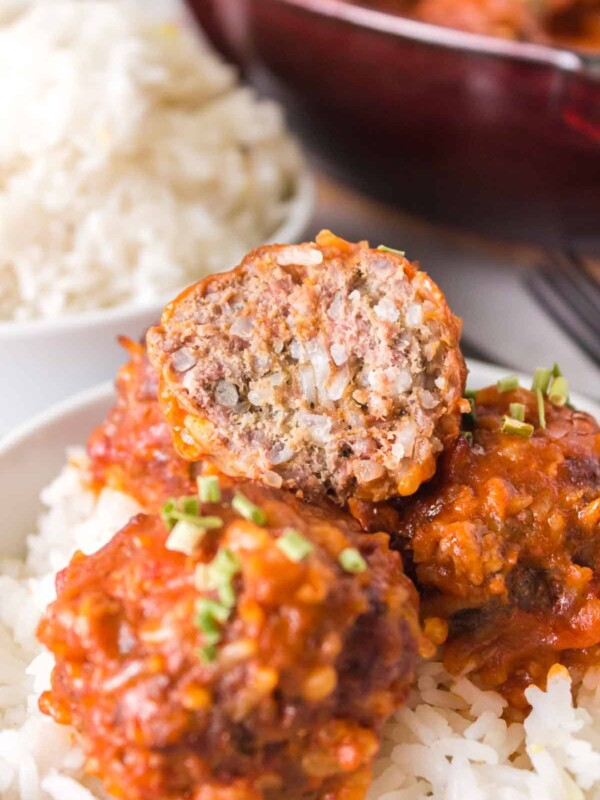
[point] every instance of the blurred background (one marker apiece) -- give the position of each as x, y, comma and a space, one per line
475, 148
147, 143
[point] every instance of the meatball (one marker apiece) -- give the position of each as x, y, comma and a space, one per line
505, 542
508, 19
327, 368
253, 651
132, 450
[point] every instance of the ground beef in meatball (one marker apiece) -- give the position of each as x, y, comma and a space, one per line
255, 657
328, 368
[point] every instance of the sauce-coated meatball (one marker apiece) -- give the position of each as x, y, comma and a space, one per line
505, 542
255, 657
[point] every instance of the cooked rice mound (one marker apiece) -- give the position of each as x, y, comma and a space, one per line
131, 160
328, 367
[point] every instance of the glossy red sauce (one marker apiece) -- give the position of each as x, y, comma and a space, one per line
505, 543
132, 450
311, 661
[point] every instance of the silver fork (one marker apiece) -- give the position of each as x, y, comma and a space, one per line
570, 290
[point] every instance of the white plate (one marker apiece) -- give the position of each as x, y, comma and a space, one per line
32, 456
44, 361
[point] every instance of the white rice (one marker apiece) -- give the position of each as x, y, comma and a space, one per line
131, 161
450, 742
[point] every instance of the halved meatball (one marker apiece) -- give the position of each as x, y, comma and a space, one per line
326, 368
254, 653
504, 543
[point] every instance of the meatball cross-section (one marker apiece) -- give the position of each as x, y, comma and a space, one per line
327, 368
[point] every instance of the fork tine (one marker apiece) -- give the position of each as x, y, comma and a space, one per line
572, 305
571, 277
577, 294
586, 275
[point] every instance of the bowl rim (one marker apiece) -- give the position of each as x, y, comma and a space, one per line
62, 410
394, 25
300, 212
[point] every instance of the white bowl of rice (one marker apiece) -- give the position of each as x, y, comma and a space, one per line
452, 741
132, 163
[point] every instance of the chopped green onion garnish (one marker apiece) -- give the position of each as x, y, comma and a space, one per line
471, 394
351, 560
541, 408
508, 384
224, 566
219, 575
391, 250
517, 411
472, 414
212, 637
209, 489
516, 427
295, 546
211, 632
201, 576
468, 436
187, 509
184, 537
556, 371
248, 510
191, 506
208, 654
206, 523
226, 594
166, 513
209, 523
212, 614
541, 379
209, 612
558, 392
